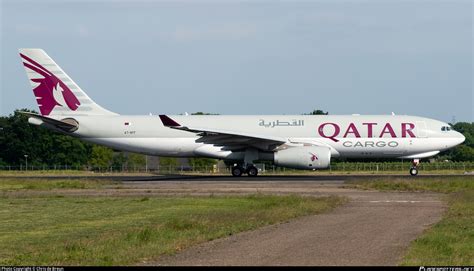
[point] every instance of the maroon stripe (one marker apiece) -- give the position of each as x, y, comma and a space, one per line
36, 69
35, 63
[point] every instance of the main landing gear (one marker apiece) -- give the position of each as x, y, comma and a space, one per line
238, 170
414, 168
246, 166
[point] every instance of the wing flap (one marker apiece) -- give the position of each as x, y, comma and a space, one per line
229, 140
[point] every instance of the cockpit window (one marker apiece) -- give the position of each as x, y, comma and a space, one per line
445, 128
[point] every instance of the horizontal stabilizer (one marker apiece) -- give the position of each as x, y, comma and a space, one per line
67, 125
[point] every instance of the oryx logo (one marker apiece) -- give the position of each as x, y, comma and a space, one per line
313, 157
51, 91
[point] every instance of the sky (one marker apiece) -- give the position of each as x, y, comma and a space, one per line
250, 57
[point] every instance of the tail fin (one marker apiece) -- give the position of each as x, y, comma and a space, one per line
55, 92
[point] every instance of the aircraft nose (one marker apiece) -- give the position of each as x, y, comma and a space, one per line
460, 137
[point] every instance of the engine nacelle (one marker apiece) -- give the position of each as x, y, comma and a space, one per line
306, 157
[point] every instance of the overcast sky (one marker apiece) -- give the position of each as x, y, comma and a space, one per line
250, 57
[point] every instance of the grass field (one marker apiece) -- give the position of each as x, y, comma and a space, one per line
441, 184
59, 230
68, 173
449, 242
45, 184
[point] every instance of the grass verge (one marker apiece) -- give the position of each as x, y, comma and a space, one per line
69, 172
450, 241
49, 184
441, 184
133, 230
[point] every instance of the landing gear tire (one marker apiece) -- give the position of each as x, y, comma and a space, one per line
252, 171
237, 171
414, 167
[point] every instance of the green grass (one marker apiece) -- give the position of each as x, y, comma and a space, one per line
68, 172
450, 241
132, 230
433, 184
49, 184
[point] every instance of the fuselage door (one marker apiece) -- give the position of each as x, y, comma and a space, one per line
421, 129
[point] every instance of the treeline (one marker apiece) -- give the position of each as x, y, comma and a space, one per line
44, 147
47, 148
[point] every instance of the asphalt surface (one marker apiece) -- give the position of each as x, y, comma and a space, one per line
219, 178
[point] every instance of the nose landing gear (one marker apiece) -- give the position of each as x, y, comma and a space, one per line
414, 168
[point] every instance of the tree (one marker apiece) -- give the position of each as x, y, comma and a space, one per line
101, 157
318, 112
202, 163
136, 160
202, 113
463, 153
43, 146
68, 152
2, 164
168, 163
467, 129
119, 160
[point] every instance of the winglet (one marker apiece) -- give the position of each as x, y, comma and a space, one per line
168, 122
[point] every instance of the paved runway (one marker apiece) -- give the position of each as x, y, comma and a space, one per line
139, 177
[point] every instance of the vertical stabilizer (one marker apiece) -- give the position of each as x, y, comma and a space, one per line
55, 92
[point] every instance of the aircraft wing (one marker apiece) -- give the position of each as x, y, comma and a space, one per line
229, 140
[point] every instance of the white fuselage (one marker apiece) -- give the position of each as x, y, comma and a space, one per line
297, 141
352, 136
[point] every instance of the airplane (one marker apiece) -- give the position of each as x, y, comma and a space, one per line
293, 141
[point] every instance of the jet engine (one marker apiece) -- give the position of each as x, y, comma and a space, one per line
305, 157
